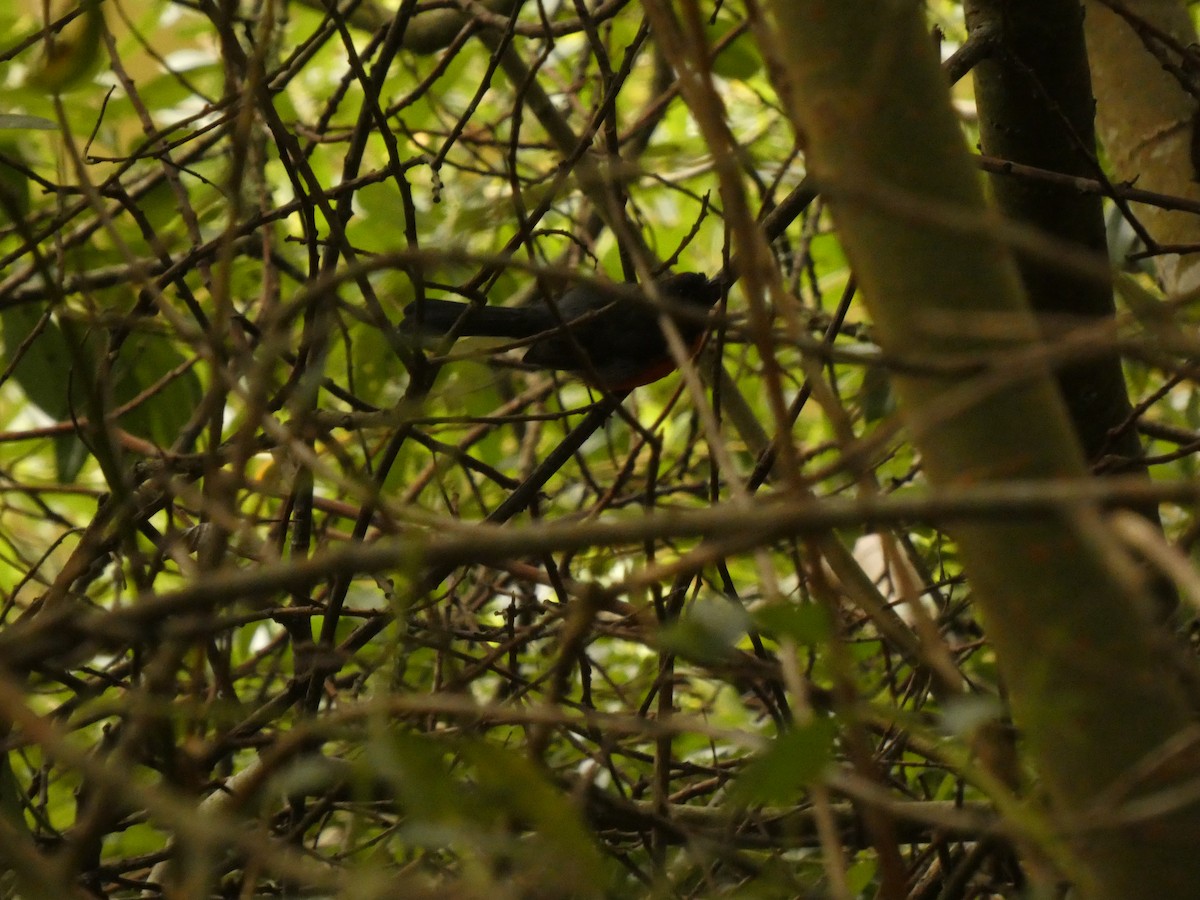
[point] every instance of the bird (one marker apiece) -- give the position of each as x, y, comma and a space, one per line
614, 339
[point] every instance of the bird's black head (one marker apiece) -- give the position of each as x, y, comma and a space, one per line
693, 288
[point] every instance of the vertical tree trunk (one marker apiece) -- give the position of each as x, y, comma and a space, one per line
1035, 107
1147, 120
1088, 689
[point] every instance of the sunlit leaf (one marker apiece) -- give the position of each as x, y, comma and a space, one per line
708, 632
149, 366
795, 760
73, 54
804, 623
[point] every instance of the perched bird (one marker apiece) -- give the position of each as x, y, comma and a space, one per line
615, 340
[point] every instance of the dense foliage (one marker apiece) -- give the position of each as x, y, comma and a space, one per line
296, 602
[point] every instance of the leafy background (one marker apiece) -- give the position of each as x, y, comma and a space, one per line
213, 216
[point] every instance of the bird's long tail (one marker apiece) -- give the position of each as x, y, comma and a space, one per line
439, 316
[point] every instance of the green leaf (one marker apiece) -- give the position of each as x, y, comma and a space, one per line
45, 368
145, 362
860, 875
875, 397
510, 784
73, 55
795, 760
44, 374
42, 369
11, 798
14, 184
481, 799
708, 633
804, 623
372, 370
961, 716
22, 122
740, 59
416, 769
70, 453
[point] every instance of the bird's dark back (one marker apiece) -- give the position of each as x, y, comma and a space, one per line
624, 332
